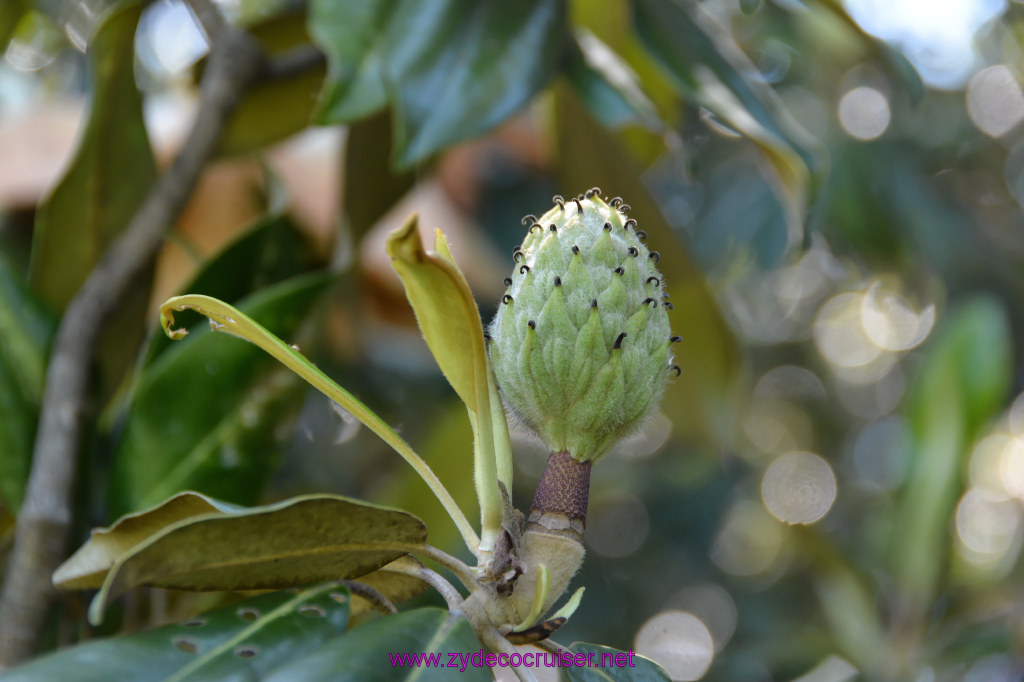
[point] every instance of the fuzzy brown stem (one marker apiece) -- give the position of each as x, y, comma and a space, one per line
560, 502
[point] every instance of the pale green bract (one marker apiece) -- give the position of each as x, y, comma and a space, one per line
580, 343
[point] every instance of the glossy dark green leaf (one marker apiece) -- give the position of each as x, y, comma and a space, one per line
371, 652
351, 34
205, 413
274, 109
607, 85
110, 174
26, 329
612, 664
961, 385
457, 68
708, 67
704, 401
240, 642
296, 542
268, 253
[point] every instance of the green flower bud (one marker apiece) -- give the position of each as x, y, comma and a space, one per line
581, 342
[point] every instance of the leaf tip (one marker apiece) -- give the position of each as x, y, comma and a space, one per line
404, 242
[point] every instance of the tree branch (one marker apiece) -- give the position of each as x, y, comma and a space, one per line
236, 61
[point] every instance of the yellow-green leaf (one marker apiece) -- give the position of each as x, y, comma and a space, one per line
299, 541
450, 323
88, 566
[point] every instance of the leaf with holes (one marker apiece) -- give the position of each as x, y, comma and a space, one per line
368, 653
241, 642
87, 568
299, 541
612, 664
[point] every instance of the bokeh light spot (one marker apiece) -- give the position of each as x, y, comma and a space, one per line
798, 487
987, 524
839, 332
995, 102
891, 323
713, 605
677, 641
864, 113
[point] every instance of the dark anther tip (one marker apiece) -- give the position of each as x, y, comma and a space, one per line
641, 235
558, 281
529, 218
657, 282
649, 300
508, 281
679, 372
506, 299
669, 305
517, 254
553, 227
664, 295
593, 303
559, 200
620, 270
579, 206
536, 225
523, 269
575, 250
593, 191
630, 223
531, 324
487, 336
616, 201
618, 341
633, 251
655, 255
675, 339
625, 208
607, 227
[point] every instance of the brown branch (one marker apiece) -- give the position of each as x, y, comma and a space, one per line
43, 522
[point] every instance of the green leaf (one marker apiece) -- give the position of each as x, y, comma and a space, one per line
708, 67
88, 566
366, 654
271, 251
110, 174
607, 85
296, 542
704, 401
351, 34
616, 665
962, 384
204, 413
455, 69
240, 642
274, 109
450, 323
26, 330
225, 318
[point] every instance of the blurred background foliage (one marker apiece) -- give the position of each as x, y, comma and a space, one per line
834, 488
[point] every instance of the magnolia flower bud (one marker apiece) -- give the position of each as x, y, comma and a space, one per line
580, 343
